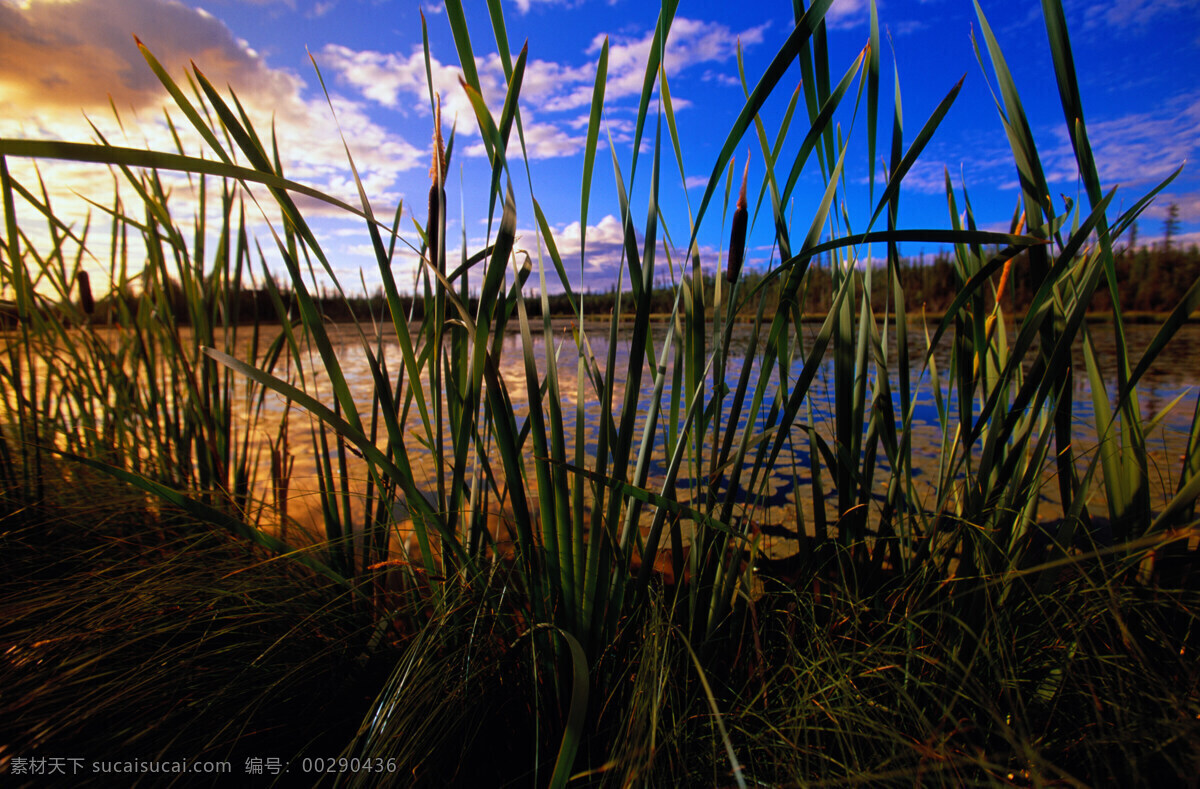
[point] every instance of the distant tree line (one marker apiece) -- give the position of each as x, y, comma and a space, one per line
1150, 279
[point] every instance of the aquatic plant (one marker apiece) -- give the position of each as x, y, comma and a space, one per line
948, 571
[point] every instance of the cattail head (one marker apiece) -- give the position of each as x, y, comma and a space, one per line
437, 170
737, 235
1004, 279
86, 302
437, 177
431, 226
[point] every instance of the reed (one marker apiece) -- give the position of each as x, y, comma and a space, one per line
902, 611
126, 380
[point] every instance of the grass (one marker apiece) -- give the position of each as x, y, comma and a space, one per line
135, 632
973, 635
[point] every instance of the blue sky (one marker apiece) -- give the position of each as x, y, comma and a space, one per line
61, 60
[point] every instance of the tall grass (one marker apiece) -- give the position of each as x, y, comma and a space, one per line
579, 592
125, 380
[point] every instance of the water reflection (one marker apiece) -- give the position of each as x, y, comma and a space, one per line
785, 493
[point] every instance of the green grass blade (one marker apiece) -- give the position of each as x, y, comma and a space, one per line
766, 84
589, 152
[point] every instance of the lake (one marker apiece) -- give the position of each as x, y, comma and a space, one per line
1175, 374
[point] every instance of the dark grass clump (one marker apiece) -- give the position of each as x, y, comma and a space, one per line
467, 701
1094, 683
128, 632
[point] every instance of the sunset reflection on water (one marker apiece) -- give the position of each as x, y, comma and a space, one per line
784, 496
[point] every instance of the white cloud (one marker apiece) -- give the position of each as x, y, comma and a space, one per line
907, 27
1188, 205
320, 9
1135, 15
691, 42
847, 13
545, 141
1135, 151
604, 247
1139, 149
524, 6
604, 255
382, 78
730, 80
928, 176
399, 81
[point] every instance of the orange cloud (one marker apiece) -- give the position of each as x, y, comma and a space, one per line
61, 60
73, 54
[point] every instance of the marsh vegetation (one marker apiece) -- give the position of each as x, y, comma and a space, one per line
964, 586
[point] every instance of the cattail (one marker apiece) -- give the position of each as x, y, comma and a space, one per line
1008, 264
437, 170
737, 235
431, 228
437, 177
85, 293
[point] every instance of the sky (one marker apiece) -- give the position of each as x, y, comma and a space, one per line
66, 64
